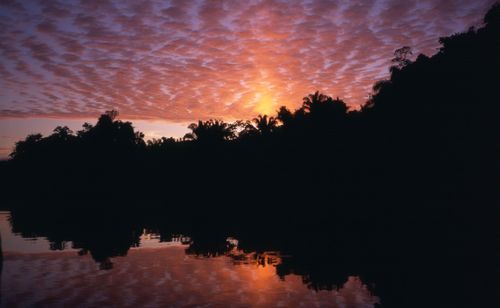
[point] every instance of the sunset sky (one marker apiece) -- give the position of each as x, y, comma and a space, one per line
164, 64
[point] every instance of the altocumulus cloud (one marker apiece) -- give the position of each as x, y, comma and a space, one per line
186, 60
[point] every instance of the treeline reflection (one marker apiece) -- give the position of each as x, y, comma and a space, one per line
441, 248
429, 132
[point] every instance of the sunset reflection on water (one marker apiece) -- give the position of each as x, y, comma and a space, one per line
158, 274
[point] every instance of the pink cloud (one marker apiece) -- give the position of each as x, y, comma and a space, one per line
181, 61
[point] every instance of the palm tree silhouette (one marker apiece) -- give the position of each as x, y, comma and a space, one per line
313, 100
265, 125
318, 104
211, 131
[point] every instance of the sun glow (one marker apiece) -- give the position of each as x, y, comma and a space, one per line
265, 104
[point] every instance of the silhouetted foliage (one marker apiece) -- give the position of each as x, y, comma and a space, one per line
439, 114
265, 125
211, 131
285, 116
26, 147
431, 131
402, 57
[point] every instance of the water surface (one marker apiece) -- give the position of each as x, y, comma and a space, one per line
102, 265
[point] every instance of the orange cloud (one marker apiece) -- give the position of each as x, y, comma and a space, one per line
182, 61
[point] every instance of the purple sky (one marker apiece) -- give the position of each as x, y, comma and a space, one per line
163, 64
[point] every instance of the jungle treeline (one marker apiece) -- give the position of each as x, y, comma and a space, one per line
431, 130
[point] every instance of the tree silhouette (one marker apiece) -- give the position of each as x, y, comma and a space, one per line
62, 133
313, 101
285, 116
428, 129
402, 57
211, 131
320, 105
265, 125
26, 147
492, 17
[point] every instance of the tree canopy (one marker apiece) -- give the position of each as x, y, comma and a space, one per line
430, 128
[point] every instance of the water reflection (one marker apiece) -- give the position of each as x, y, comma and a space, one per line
138, 263
324, 256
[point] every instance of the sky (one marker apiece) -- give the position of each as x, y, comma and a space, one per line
165, 64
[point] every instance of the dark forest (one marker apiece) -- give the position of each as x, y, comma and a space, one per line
429, 131
402, 192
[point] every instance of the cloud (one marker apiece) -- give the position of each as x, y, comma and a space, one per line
184, 60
